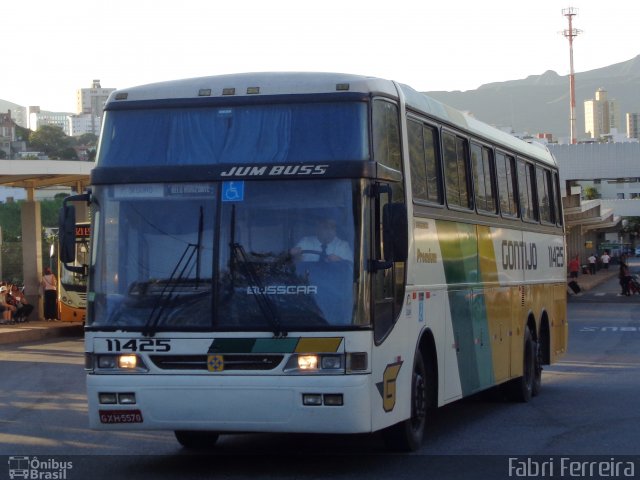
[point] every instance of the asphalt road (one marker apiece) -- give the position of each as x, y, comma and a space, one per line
588, 406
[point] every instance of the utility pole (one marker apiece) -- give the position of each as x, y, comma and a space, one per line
570, 33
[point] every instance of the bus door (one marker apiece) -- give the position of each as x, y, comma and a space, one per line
387, 267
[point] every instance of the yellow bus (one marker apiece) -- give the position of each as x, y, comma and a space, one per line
72, 286
309, 252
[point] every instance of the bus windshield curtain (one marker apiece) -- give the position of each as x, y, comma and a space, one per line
248, 134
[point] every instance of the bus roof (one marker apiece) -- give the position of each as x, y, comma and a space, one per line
309, 83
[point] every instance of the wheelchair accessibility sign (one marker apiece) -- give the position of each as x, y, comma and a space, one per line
233, 191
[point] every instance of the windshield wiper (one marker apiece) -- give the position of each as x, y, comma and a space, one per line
265, 304
169, 289
172, 283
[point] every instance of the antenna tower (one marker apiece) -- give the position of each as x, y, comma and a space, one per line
570, 33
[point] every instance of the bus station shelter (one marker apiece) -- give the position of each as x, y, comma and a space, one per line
32, 175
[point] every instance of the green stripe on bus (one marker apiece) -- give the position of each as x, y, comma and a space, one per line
459, 247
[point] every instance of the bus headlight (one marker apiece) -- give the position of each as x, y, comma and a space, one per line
127, 362
119, 363
332, 362
308, 362
315, 363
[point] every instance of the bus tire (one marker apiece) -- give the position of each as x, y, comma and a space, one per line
196, 440
537, 369
406, 436
521, 389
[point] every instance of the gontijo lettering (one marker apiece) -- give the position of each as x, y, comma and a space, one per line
519, 255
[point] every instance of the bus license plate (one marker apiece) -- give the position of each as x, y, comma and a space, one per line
120, 416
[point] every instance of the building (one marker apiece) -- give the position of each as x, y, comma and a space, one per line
600, 115
83, 123
37, 120
29, 111
602, 185
633, 125
7, 133
89, 106
92, 100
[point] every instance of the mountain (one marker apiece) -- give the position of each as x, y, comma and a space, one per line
540, 103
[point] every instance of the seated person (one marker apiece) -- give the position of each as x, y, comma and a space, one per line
21, 303
324, 246
7, 309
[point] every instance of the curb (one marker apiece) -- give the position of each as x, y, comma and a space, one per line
37, 331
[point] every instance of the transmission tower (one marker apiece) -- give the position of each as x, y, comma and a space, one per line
570, 34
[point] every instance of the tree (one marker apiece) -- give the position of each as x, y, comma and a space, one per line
87, 139
590, 193
50, 139
68, 153
22, 133
11, 251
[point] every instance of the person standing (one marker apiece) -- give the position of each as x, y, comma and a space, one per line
50, 287
574, 267
592, 263
605, 260
625, 277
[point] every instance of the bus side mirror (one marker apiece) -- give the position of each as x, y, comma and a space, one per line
394, 232
67, 234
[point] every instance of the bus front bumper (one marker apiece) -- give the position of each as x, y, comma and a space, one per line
334, 404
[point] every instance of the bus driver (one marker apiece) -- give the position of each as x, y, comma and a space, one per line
324, 246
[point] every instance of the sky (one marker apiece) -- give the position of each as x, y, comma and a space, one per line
50, 49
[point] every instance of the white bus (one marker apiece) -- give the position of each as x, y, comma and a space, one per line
307, 252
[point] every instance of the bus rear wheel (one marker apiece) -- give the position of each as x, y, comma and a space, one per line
196, 440
521, 389
406, 436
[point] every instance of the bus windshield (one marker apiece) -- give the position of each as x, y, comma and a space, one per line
225, 256
297, 132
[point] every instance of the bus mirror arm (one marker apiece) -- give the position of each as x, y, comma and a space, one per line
81, 269
378, 265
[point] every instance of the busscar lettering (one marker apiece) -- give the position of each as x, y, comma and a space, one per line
518, 255
275, 170
283, 290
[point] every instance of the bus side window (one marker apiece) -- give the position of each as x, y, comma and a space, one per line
526, 181
505, 169
456, 173
483, 178
386, 134
557, 197
545, 201
425, 171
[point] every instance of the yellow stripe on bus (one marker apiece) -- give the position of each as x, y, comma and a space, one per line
318, 345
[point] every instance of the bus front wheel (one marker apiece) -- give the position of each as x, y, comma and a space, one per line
196, 440
407, 435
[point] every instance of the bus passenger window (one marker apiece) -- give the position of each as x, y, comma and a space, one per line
455, 170
526, 189
425, 181
506, 184
543, 181
483, 178
557, 199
